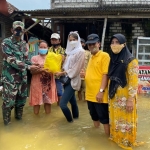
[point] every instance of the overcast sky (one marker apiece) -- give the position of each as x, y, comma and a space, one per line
30, 4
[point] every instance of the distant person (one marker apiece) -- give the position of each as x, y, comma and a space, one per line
43, 87
96, 83
14, 73
72, 66
87, 57
123, 86
56, 48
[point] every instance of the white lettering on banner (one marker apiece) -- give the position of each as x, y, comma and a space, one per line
144, 73
143, 78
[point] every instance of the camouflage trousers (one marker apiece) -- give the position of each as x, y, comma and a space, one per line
13, 95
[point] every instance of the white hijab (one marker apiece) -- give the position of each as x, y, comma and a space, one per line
71, 51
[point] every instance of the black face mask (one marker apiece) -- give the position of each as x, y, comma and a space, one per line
55, 45
18, 32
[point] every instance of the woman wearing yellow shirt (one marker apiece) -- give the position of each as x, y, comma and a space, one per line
123, 75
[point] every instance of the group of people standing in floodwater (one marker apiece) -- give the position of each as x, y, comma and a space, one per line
111, 82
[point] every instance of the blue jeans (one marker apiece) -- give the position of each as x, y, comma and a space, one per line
69, 96
59, 87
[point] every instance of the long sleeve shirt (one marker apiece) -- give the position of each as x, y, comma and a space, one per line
75, 66
14, 54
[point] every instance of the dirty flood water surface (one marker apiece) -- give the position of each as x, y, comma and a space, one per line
44, 132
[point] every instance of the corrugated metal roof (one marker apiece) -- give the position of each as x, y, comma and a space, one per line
124, 6
109, 10
122, 11
6, 8
11, 8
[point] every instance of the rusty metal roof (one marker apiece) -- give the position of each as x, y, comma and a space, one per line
11, 8
6, 8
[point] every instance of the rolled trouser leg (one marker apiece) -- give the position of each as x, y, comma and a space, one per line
6, 115
18, 112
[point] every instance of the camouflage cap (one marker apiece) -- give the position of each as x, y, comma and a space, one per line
18, 24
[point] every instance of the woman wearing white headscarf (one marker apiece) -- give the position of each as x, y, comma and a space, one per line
72, 66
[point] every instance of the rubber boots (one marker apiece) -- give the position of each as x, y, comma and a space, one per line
6, 115
18, 112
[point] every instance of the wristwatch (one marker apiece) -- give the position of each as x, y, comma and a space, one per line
101, 90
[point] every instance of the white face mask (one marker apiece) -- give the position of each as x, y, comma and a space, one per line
73, 44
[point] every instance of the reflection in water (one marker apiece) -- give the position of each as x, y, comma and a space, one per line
53, 132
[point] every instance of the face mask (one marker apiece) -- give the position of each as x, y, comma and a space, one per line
117, 48
93, 50
18, 32
43, 51
73, 43
55, 45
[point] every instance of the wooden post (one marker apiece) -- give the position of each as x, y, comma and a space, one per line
33, 25
103, 35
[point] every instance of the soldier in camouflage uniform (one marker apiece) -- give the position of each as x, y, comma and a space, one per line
56, 48
14, 73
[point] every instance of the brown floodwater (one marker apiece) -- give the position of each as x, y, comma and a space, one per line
53, 132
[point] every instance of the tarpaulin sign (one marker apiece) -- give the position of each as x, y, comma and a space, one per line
144, 79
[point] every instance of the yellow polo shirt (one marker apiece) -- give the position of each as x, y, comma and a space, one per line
97, 67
